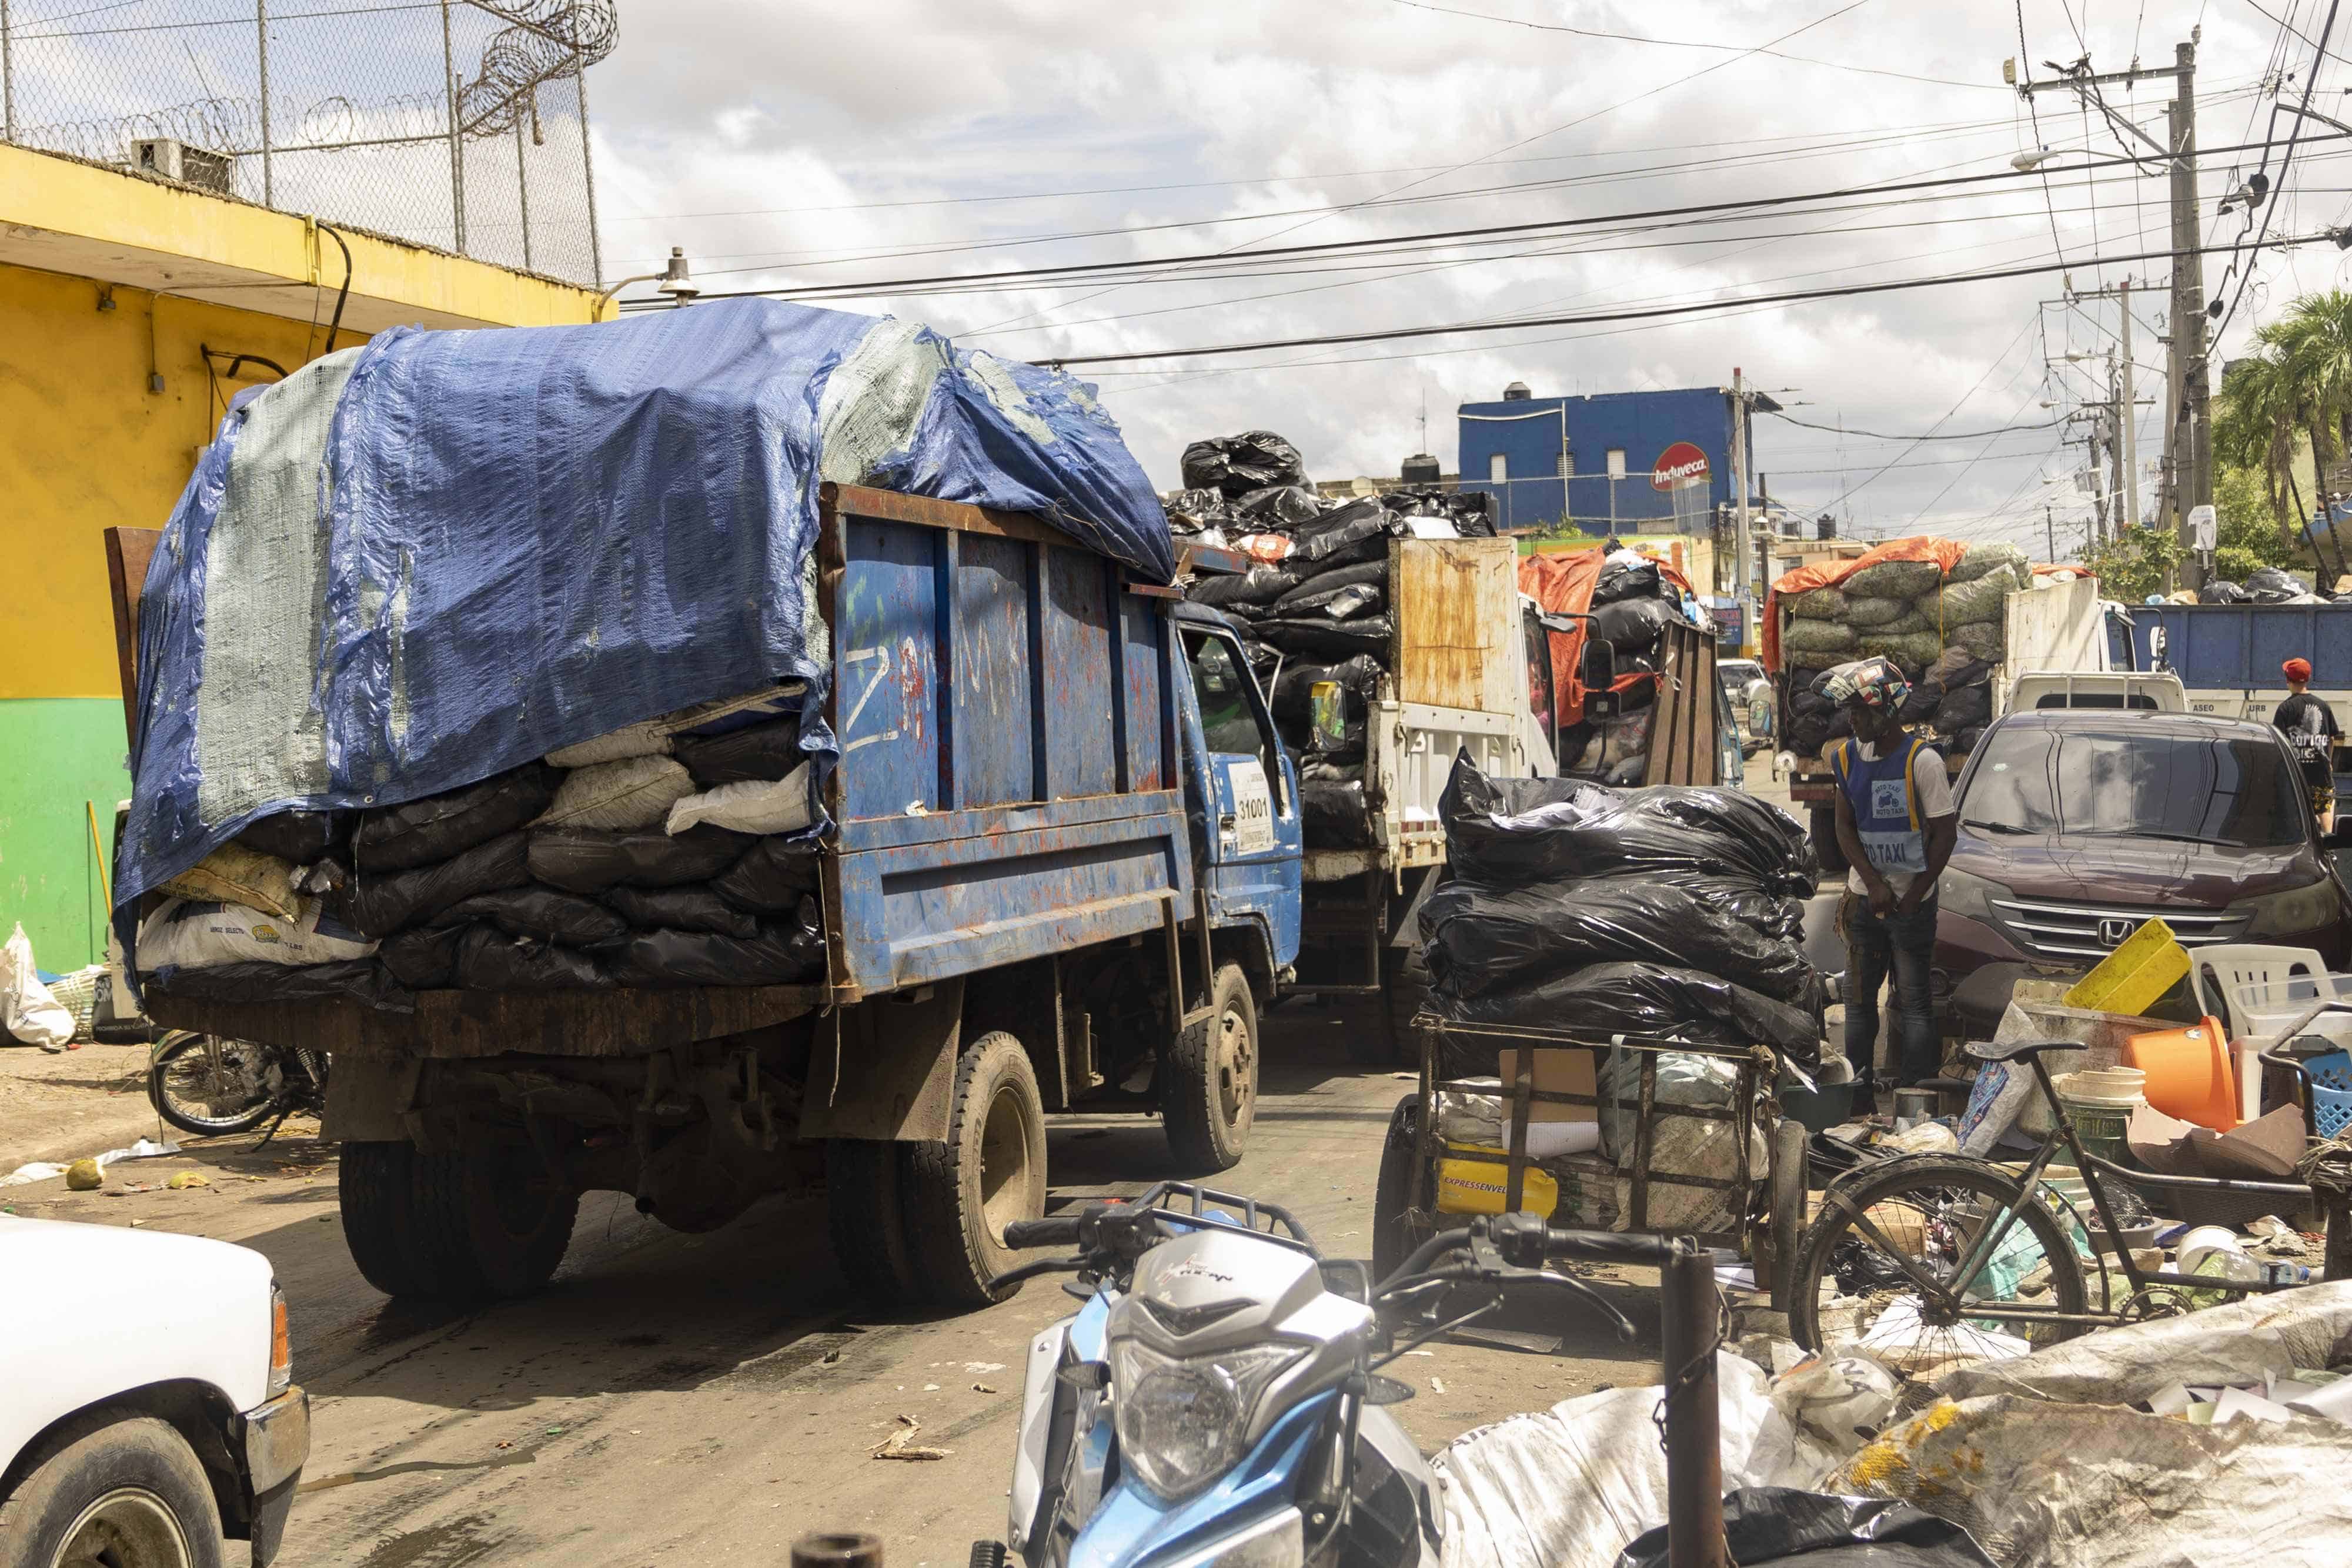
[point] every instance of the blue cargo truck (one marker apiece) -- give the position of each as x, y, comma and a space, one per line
1048, 888
2228, 655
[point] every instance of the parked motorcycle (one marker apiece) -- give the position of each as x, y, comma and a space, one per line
1217, 1400
204, 1084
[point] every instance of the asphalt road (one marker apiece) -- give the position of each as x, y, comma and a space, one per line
711, 1398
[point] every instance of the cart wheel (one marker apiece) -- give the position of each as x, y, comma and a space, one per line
1784, 1218
1394, 1237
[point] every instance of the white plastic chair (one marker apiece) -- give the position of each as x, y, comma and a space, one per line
2238, 968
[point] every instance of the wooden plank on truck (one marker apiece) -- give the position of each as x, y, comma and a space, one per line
1455, 607
127, 551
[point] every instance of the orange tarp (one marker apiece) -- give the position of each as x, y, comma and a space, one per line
1561, 582
1945, 553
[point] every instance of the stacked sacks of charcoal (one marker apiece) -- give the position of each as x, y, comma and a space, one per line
673, 852
1314, 610
1943, 630
1632, 603
1672, 914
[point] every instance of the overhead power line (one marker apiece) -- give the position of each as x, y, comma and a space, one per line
1845, 291
1326, 247
1876, 435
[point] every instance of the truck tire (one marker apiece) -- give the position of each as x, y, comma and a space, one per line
1208, 1084
1405, 987
862, 1212
1392, 1240
452, 1227
959, 1196
113, 1486
1826, 848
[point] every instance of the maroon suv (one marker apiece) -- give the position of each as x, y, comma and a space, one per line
2078, 824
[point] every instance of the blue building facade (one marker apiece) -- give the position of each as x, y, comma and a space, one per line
1590, 461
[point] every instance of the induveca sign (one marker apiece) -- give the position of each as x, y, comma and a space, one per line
1679, 467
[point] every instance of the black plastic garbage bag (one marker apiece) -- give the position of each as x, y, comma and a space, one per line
1647, 1000
773, 874
781, 955
1204, 508
1779, 1524
1351, 525
361, 980
2221, 591
1329, 639
1337, 603
1631, 625
2269, 585
1478, 938
1920, 704
377, 905
1276, 508
300, 838
491, 960
423, 832
1964, 708
424, 959
759, 752
1508, 831
1333, 814
544, 914
1237, 464
590, 860
1293, 696
1618, 582
682, 909
1319, 580
1258, 585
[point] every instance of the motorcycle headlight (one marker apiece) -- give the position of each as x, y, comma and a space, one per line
1181, 1421
2296, 910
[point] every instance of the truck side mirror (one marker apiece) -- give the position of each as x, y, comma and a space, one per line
1598, 671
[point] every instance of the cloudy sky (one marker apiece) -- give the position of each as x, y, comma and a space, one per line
898, 140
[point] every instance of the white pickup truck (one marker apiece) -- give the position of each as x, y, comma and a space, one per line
150, 1408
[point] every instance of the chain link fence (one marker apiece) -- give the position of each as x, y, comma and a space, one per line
460, 124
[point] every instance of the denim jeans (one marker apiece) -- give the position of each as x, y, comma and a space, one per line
1874, 945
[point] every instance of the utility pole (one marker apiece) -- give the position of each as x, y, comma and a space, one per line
2188, 438
1743, 549
2186, 413
2127, 475
2050, 530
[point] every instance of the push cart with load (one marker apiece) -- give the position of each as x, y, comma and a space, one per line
770, 766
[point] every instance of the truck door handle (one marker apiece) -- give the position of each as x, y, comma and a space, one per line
1225, 822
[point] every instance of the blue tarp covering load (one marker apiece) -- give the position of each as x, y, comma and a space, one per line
414, 565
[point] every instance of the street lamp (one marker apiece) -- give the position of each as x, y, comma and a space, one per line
674, 281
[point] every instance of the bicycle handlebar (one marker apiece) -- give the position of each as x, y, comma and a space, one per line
1608, 1246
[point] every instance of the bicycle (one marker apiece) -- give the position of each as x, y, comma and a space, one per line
1929, 1261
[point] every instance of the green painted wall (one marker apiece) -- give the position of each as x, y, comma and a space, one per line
59, 753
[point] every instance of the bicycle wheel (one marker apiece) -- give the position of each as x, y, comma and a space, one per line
1874, 1270
210, 1086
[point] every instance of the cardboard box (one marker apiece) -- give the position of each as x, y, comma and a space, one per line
1556, 1072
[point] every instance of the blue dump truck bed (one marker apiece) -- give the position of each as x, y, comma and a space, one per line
1008, 786
2228, 655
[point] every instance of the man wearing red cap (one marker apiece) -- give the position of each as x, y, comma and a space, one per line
2310, 728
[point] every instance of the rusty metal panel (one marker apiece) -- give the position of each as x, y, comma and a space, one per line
1081, 751
886, 1070
886, 673
1145, 714
1455, 607
993, 728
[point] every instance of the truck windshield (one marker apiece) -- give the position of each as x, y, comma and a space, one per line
2135, 784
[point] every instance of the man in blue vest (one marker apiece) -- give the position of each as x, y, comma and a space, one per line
1896, 823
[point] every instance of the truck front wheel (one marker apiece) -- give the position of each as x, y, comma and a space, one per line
959, 1196
1208, 1084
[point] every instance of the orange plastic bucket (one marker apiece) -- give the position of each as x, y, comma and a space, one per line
2188, 1075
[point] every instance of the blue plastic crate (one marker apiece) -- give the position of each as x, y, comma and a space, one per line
2331, 1092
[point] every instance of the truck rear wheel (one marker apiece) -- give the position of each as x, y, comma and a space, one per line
1405, 987
455, 1226
869, 1236
1208, 1085
1826, 848
959, 1196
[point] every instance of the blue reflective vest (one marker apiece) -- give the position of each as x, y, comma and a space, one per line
1886, 801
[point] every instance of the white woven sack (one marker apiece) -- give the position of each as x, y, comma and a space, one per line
752, 807
619, 797
646, 738
184, 934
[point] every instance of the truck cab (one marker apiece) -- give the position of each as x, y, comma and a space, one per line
1240, 789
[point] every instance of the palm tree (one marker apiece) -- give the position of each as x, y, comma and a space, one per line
2262, 413
2321, 352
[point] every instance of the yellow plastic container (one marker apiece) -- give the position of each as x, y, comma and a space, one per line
2144, 966
1472, 1180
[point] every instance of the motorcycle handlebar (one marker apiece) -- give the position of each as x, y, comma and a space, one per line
1055, 1230
1608, 1246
